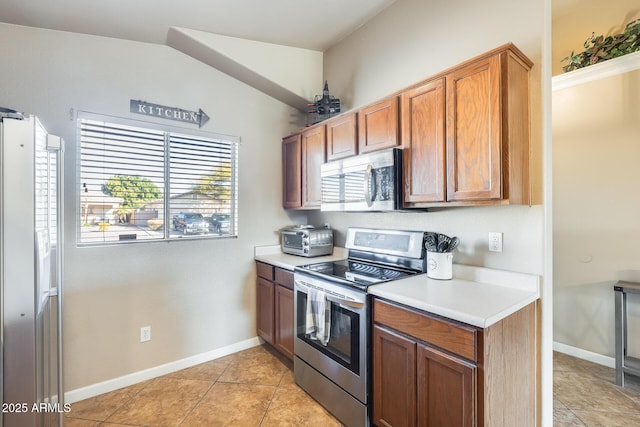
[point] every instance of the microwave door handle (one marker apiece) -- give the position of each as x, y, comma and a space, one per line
368, 194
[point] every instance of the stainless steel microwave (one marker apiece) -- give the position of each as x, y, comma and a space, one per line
367, 182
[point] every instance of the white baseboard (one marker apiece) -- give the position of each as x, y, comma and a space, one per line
585, 354
157, 371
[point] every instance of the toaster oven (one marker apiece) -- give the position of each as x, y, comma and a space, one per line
307, 241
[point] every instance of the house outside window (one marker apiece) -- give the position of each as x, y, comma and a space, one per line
146, 182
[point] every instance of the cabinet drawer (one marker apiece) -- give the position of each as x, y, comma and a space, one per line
454, 337
284, 278
264, 270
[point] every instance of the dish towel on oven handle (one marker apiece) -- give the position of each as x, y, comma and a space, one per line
318, 322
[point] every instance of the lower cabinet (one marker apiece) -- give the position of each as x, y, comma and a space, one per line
432, 371
394, 378
446, 389
283, 316
274, 307
264, 309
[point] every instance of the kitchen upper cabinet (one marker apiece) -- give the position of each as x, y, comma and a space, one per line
487, 120
274, 307
378, 126
342, 137
432, 371
313, 155
423, 139
302, 155
465, 134
292, 172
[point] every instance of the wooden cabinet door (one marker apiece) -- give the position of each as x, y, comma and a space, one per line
474, 131
284, 320
264, 309
342, 137
313, 155
394, 379
378, 126
423, 139
292, 172
446, 389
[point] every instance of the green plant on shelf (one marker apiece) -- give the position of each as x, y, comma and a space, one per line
601, 48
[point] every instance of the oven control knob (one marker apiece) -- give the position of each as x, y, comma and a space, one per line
305, 250
305, 241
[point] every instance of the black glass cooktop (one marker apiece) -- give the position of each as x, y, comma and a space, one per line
357, 273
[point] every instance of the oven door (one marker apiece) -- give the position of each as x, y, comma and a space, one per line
343, 359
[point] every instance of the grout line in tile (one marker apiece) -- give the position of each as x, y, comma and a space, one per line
266, 411
197, 403
148, 382
278, 386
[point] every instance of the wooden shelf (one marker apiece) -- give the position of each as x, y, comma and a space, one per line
612, 67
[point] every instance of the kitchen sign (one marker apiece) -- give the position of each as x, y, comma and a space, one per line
140, 107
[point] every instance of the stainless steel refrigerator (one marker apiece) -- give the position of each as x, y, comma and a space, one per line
31, 279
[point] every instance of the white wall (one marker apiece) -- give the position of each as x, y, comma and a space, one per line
521, 226
595, 207
595, 185
412, 40
197, 296
295, 69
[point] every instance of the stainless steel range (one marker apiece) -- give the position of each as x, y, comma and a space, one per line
331, 313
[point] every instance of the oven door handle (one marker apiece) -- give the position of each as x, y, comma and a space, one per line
346, 304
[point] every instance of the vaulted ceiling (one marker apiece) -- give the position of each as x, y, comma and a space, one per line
309, 24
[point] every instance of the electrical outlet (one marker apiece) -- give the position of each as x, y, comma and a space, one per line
495, 242
145, 333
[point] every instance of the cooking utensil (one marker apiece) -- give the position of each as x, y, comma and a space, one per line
431, 242
443, 243
436, 242
455, 241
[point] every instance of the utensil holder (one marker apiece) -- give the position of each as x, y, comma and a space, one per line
440, 265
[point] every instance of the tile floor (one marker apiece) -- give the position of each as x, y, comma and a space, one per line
585, 394
254, 387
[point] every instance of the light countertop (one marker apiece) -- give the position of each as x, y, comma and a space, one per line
273, 255
477, 296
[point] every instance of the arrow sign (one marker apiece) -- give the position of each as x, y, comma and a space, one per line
171, 113
203, 118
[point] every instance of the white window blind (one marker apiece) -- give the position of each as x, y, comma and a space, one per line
140, 183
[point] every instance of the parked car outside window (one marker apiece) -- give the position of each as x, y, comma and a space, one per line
219, 223
190, 223
103, 219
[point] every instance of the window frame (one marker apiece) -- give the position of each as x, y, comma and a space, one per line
168, 131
